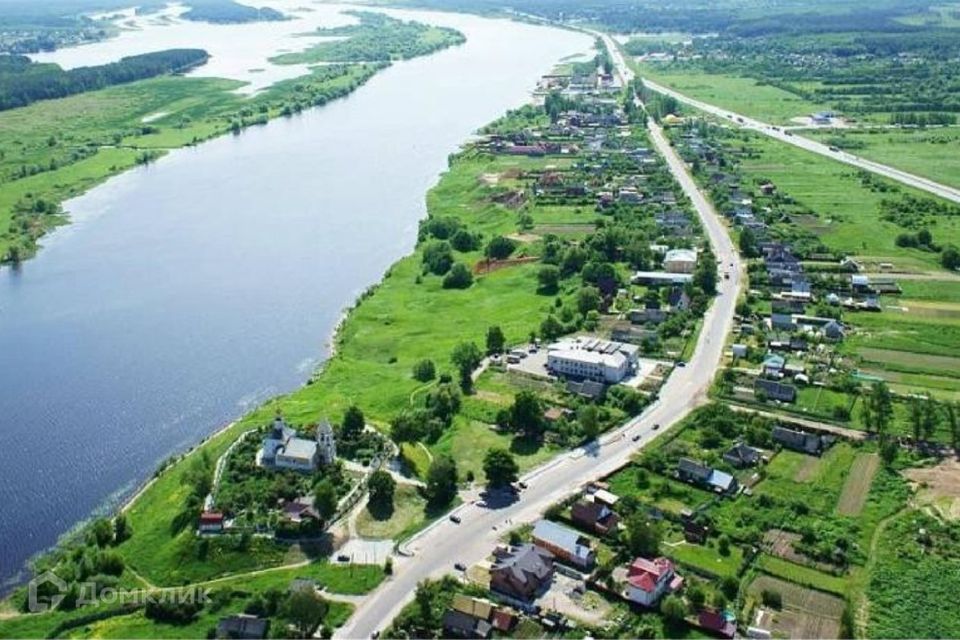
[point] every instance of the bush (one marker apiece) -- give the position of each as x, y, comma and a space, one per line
771, 598
499, 248
424, 370
459, 277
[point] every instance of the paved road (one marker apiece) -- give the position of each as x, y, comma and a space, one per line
437, 548
778, 133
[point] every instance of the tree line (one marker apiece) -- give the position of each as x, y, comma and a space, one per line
23, 82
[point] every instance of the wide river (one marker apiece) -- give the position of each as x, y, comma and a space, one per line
186, 292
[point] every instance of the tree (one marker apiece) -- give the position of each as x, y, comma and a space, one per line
437, 257
930, 419
464, 241
916, 418
466, 357
353, 423
950, 258
102, 531
459, 277
950, 410
424, 370
121, 528
589, 418
879, 406
888, 450
551, 328
382, 487
748, 243
673, 609
548, 279
588, 299
500, 468
499, 248
705, 273
305, 610
495, 340
696, 596
526, 414
641, 536
325, 499
442, 480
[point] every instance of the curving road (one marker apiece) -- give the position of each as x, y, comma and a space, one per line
778, 133
433, 552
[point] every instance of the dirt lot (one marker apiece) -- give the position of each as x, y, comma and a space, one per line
857, 485
806, 613
940, 487
808, 470
583, 605
779, 543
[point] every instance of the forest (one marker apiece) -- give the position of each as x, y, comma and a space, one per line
229, 12
23, 81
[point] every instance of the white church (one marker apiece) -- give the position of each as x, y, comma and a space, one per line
284, 449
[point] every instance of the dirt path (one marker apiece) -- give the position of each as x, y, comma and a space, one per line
862, 614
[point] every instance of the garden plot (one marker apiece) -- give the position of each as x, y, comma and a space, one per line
857, 485
805, 613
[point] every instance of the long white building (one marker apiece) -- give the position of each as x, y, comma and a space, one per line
592, 359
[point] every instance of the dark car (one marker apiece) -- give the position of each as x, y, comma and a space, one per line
343, 558
459, 566
455, 519
681, 363
636, 437
656, 426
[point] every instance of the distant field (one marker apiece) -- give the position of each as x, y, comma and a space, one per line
932, 153
748, 96
844, 207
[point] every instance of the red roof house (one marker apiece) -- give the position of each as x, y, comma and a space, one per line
648, 580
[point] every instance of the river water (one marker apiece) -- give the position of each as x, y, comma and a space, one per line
188, 291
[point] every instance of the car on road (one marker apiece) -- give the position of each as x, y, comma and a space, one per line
834, 149
681, 363
375, 635
636, 438
788, 133
656, 425
522, 485
726, 276
454, 518
343, 558
459, 566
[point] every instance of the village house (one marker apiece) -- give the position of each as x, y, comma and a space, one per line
565, 544
810, 443
521, 572
594, 516
716, 623
775, 390
680, 261
647, 581
211, 522
694, 472
242, 627
742, 455
457, 624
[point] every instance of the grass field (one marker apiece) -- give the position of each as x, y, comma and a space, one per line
926, 152
804, 576
409, 513
744, 95
843, 205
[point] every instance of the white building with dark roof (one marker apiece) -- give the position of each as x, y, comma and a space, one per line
680, 261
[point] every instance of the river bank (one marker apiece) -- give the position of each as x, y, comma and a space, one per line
244, 318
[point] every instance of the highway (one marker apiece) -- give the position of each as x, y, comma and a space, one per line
778, 133
434, 551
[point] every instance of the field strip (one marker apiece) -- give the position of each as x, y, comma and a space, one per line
857, 486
